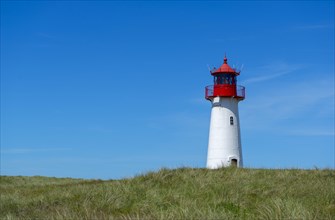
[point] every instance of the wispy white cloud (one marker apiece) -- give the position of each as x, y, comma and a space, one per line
45, 40
312, 132
24, 150
199, 100
294, 109
314, 26
45, 35
272, 71
181, 121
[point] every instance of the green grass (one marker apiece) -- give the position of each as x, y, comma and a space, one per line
183, 193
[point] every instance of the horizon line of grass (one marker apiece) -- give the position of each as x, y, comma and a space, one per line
183, 193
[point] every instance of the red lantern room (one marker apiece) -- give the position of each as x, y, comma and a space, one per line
225, 79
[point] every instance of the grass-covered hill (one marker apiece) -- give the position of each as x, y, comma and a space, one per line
184, 193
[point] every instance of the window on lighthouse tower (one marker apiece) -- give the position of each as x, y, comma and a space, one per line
231, 120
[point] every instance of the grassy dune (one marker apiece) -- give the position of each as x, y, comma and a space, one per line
175, 194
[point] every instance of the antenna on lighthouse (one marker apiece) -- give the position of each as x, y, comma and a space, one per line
238, 68
209, 68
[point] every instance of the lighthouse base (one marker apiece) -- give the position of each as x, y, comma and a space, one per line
224, 146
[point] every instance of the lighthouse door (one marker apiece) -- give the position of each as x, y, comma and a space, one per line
233, 163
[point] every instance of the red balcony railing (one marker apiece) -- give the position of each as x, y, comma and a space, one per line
225, 91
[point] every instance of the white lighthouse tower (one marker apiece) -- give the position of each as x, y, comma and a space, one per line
224, 144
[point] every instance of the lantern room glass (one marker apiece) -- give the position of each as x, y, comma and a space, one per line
225, 79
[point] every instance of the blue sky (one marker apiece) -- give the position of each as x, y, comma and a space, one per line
104, 89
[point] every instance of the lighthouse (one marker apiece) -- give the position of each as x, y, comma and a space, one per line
224, 144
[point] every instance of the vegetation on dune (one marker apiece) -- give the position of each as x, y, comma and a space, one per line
184, 193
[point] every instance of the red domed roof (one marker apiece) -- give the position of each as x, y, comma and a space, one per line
225, 68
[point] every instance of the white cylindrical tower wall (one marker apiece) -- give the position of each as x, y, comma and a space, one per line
224, 146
